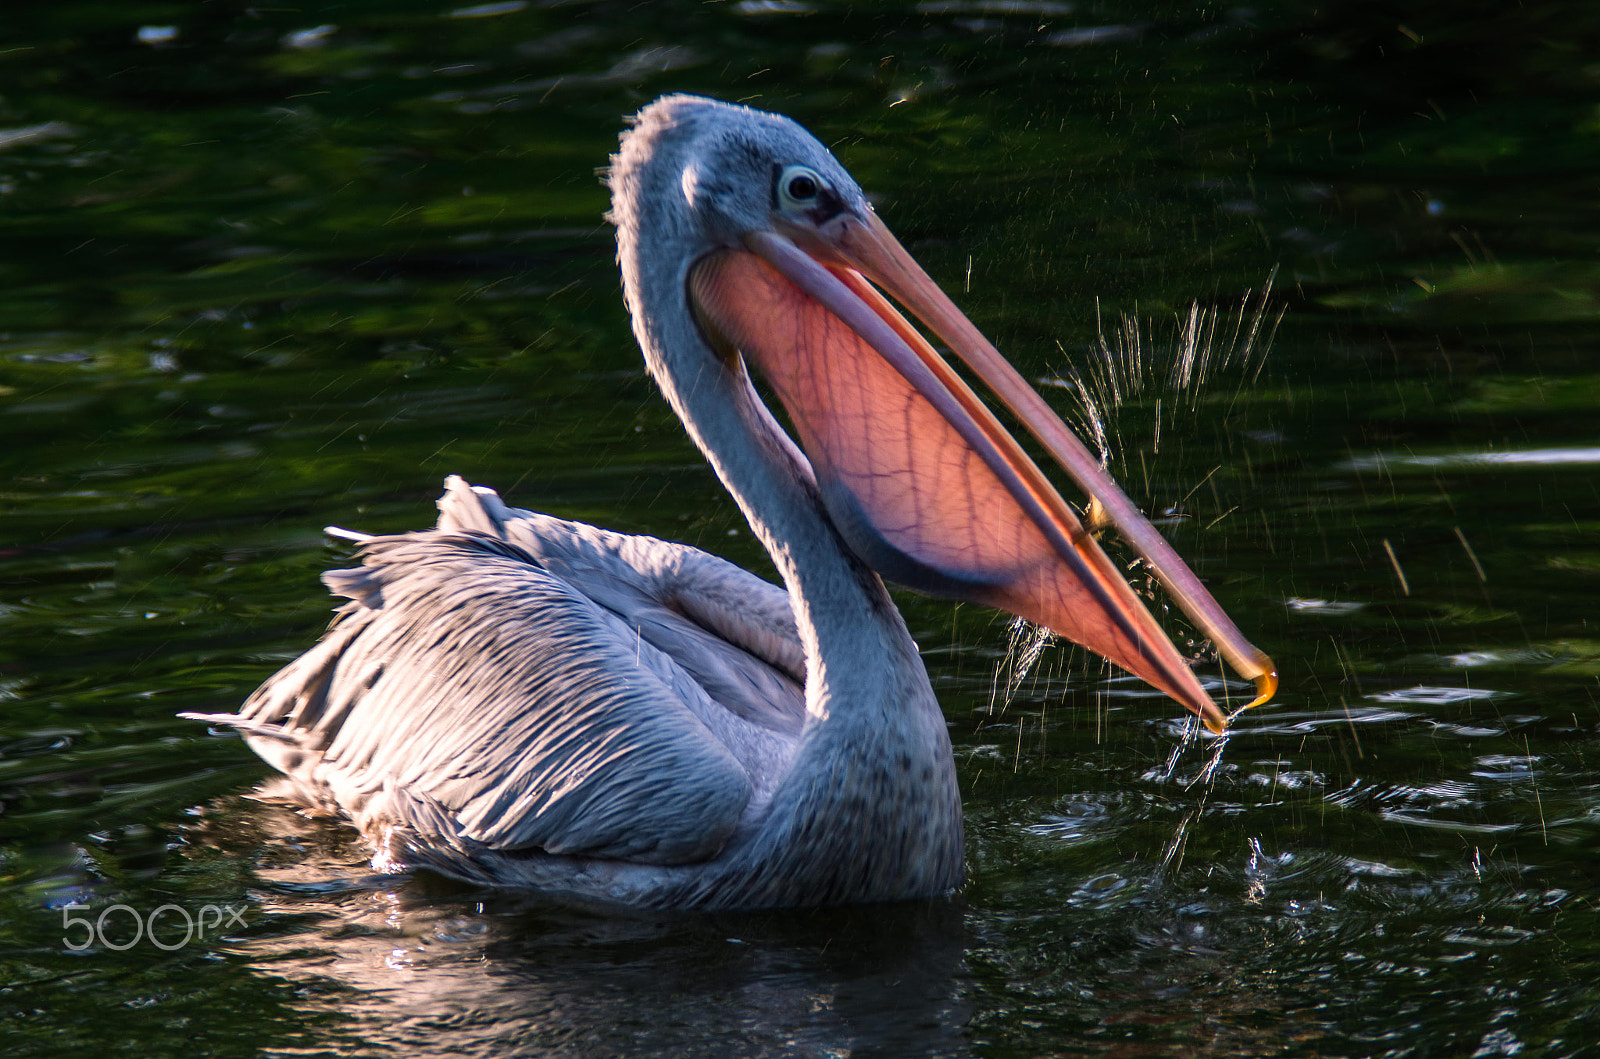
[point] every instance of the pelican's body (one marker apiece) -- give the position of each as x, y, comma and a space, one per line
517, 700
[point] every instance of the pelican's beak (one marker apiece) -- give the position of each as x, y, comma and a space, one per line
921, 478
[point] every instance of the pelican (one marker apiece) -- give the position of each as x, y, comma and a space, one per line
516, 700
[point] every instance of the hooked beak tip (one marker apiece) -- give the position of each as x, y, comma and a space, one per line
1266, 683
1266, 687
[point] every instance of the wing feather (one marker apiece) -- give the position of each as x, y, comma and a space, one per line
514, 681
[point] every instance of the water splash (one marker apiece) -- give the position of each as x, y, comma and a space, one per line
1124, 368
1219, 746
1136, 361
1025, 644
1188, 736
1172, 855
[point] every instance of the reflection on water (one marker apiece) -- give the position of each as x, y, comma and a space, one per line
415, 964
1469, 460
267, 269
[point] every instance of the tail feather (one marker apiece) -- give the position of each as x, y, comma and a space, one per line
472, 509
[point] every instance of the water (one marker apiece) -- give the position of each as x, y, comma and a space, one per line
266, 270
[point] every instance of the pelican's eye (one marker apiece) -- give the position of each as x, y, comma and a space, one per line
798, 187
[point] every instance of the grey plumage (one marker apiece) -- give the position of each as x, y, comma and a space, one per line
470, 694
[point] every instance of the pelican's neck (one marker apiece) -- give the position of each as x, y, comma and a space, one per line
868, 808
841, 607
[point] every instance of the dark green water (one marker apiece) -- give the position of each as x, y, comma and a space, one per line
266, 269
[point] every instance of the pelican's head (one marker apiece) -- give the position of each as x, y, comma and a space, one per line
781, 259
698, 175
